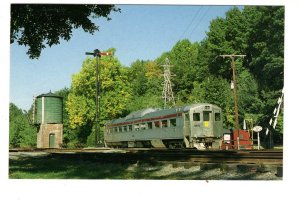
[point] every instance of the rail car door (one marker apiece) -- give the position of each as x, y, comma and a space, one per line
187, 124
217, 123
207, 124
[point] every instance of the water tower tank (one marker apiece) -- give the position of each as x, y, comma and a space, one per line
48, 109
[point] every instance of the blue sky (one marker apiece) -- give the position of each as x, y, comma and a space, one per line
138, 32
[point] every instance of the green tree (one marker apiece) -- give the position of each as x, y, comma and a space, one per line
265, 49
70, 136
137, 77
154, 77
258, 32
21, 132
203, 61
146, 82
183, 58
265, 55
35, 25
147, 100
225, 36
248, 94
115, 94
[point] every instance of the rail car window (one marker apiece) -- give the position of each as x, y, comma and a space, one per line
196, 117
125, 128
130, 127
217, 117
120, 129
149, 125
136, 127
206, 116
164, 123
143, 126
116, 129
172, 122
156, 124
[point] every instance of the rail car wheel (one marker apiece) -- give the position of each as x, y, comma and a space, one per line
147, 144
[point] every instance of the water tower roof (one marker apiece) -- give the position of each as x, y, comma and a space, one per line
50, 94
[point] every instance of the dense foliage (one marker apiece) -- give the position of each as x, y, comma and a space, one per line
38, 24
21, 132
201, 75
115, 93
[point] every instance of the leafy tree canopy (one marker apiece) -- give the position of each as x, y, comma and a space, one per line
115, 92
21, 133
35, 25
265, 49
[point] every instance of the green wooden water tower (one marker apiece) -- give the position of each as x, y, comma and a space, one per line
48, 117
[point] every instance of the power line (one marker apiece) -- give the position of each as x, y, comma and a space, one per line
202, 17
196, 14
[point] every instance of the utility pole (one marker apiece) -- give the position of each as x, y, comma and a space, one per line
167, 93
98, 55
232, 56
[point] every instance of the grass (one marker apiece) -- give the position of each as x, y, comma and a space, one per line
58, 168
48, 167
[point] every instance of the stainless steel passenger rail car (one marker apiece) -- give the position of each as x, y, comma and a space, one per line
193, 126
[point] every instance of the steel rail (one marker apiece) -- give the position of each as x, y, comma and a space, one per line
182, 155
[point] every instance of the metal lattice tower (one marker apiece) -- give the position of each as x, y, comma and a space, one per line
167, 93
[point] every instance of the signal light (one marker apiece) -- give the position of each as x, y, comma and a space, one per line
98, 53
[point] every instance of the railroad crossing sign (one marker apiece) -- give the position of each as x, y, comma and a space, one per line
257, 129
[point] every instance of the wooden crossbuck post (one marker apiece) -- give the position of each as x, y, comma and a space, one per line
273, 120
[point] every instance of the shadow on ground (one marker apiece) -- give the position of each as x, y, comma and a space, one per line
51, 167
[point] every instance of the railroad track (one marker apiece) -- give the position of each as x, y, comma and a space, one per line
245, 157
270, 157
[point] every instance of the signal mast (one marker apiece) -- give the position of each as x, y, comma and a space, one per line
98, 54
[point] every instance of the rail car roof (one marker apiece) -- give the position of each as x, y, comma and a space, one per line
141, 113
156, 112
